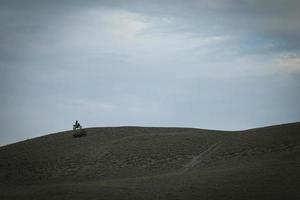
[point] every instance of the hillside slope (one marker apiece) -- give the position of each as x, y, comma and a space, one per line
155, 163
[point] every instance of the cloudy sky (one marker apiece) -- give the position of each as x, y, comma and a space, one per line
218, 64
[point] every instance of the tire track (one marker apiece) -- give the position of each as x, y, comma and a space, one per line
197, 159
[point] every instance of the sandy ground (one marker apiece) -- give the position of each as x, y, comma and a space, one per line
155, 163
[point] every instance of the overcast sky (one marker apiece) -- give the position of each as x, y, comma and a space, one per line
217, 64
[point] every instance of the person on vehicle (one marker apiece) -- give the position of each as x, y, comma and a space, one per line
76, 125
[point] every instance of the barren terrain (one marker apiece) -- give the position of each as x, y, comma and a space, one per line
154, 163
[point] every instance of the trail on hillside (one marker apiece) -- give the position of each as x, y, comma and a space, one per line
185, 168
188, 166
197, 159
105, 149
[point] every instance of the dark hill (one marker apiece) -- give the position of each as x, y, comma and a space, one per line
155, 163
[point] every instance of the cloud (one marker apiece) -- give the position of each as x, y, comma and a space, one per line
274, 21
289, 62
210, 64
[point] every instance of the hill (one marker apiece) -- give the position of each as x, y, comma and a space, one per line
155, 163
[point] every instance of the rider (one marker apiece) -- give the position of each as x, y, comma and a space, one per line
77, 125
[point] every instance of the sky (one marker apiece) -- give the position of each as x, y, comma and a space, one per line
218, 64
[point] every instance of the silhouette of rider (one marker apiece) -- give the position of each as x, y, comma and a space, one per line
76, 125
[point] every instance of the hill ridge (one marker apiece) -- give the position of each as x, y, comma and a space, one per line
135, 159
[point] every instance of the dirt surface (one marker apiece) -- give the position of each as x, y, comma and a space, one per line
154, 163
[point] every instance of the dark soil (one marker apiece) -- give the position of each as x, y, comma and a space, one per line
154, 163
